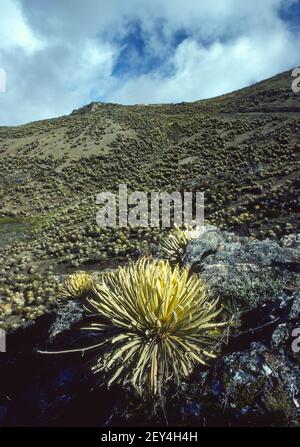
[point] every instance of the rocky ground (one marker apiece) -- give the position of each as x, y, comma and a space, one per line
255, 380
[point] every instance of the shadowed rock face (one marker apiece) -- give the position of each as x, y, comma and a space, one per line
259, 378
47, 390
254, 381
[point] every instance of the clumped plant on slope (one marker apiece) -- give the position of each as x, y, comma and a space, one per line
162, 317
173, 245
77, 286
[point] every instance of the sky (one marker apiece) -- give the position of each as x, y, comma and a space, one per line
59, 55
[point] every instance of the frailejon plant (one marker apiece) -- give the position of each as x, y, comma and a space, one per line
162, 316
77, 286
174, 244
156, 322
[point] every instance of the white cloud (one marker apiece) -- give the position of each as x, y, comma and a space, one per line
201, 72
59, 55
14, 31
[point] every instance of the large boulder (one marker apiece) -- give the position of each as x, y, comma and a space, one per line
249, 270
257, 379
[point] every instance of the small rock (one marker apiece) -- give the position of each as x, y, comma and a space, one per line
67, 315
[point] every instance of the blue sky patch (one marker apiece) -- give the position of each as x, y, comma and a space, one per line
291, 15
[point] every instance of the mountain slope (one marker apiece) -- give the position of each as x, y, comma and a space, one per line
241, 149
248, 138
